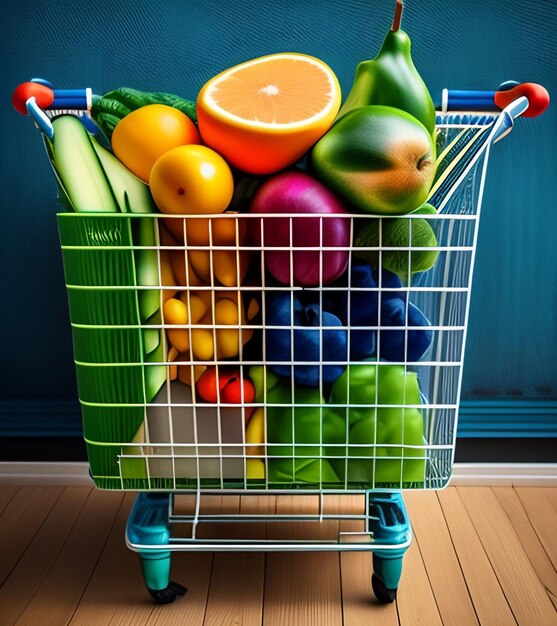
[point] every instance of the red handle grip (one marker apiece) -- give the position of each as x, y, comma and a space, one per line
43, 95
538, 98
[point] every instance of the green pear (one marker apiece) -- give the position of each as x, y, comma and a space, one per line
391, 79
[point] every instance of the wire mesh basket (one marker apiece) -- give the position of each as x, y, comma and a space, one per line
378, 413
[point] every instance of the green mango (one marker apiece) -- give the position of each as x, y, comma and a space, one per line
378, 158
376, 395
391, 79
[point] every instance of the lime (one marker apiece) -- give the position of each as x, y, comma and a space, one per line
395, 232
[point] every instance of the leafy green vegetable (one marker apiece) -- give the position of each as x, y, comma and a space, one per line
109, 109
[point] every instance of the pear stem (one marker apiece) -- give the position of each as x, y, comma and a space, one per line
398, 16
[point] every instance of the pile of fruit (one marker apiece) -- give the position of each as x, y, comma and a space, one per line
269, 137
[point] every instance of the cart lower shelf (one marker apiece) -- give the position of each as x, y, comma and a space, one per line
387, 534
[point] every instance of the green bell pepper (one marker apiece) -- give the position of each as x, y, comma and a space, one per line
359, 394
297, 435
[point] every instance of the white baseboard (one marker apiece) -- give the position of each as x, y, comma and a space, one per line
505, 474
70, 474
469, 474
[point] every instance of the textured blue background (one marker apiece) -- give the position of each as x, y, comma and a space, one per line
176, 45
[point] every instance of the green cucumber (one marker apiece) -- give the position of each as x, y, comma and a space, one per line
63, 194
151, 340
132, 194
147, 267
155, 375
147, 272
79, 169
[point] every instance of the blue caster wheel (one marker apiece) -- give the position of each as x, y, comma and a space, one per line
389, 524
386, 575
156, 571
148, 525
168, 595
383, 595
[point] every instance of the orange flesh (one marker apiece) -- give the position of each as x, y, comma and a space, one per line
277, 91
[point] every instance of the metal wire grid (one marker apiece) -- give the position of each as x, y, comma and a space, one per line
185, 444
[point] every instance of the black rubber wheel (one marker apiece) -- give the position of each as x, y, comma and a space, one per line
383, 595
168, 595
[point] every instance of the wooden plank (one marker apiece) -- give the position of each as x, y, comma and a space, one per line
415, 600
192, 570
20, 520
511, 504
217, 504
551, 495
441, 562
237, 580
302, 588
7, 492
359, 606
116, 581
542, 517
521, 586
58, 595
31, 568
489, 600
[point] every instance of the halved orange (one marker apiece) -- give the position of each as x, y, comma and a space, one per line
265, 114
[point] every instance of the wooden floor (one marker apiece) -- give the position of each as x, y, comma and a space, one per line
480, 555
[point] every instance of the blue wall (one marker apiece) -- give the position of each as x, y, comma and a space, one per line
177, 45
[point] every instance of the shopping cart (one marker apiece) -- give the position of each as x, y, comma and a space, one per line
147, 430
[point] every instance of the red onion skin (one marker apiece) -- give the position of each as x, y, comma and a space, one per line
299, 193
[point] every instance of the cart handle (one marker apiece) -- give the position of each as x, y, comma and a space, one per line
37, 95
508, 92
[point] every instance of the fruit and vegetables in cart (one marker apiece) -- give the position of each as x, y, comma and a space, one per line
221, 384
296, 434
385, 427
78, 169
255, 433
265, 114
415, 237
269, 137
109, 109
212, 255
379, 158
294, 193
144, 135
191, 179
391, 79
410, 338
215, 321
303, 333
368, 300
255, 445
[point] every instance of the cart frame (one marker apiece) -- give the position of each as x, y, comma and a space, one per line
386, 530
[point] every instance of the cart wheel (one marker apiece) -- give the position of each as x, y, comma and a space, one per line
168, 595
383, 595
